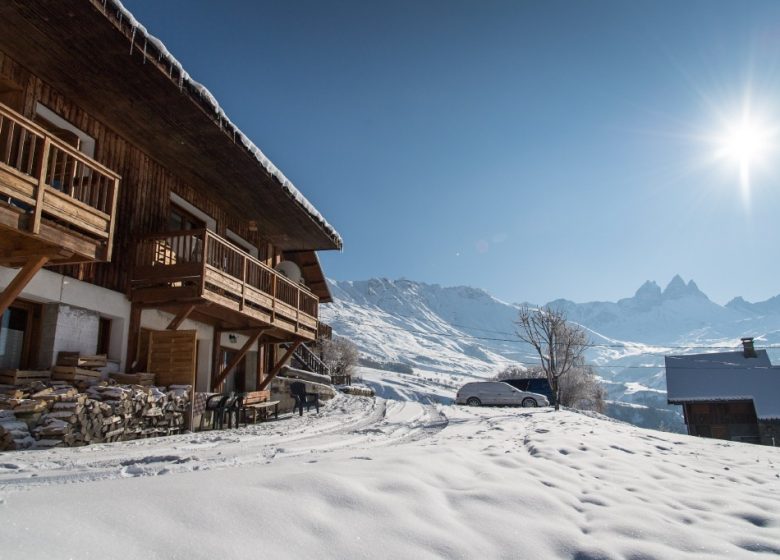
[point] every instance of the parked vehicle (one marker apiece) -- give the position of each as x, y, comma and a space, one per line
533, 385
480, 393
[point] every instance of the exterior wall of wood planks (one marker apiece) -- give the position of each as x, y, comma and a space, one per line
144, 200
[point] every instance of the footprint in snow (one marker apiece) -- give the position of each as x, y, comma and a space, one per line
362, 458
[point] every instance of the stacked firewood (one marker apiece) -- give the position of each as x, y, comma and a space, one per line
139, 378
14, 434
56, 414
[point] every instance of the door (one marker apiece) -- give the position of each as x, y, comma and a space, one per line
236, 379
19, 327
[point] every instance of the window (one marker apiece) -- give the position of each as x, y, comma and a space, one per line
180, 220
64, 130
241, 242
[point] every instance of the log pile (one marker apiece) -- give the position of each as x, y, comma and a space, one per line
140, 378
56, 414
14, 434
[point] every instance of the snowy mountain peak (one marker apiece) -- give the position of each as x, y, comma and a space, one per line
648, 291
677, 288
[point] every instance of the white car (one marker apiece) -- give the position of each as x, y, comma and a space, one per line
481, 393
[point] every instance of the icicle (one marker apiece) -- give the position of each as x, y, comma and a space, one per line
132, 39
181, 79
145, 41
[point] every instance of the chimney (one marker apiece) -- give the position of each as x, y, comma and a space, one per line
747, 347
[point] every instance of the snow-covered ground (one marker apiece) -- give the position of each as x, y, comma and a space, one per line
392, 478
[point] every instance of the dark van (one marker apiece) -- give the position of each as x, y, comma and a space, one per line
535, 385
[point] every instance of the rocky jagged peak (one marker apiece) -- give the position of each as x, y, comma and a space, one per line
648, 291
677, 288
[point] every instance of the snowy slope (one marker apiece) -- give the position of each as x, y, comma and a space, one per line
370, 478
465, 332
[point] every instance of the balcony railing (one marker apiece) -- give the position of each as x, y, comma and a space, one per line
201, 264
54, 184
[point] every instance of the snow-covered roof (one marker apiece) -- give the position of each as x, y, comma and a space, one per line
142, 37
725, 376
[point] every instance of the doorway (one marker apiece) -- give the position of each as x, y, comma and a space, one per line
236, 379
19, 334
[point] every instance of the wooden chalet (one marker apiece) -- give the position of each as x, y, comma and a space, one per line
161, 227
727, 395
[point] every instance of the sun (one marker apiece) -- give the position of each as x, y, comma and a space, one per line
746, 142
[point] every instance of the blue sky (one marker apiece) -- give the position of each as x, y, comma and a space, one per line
533, 149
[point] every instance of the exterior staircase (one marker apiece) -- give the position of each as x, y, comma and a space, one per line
304, 358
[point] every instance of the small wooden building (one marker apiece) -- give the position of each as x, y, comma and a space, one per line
161, 226
727, 395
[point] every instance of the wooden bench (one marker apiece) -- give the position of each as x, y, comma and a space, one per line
258, 403
262, 410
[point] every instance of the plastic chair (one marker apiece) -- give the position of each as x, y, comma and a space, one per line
216, 405
298, 392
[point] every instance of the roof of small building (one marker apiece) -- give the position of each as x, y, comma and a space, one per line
725, 376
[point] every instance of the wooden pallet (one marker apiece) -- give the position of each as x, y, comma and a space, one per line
74, 359
22, 377
72, 373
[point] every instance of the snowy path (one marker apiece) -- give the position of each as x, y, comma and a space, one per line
375, 478
346, 423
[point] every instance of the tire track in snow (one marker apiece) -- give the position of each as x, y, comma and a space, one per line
344, 423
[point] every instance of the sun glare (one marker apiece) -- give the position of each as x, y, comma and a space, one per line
746, 142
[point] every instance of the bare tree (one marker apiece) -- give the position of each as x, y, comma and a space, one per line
581, 389
516, 371
559, 344
341, 356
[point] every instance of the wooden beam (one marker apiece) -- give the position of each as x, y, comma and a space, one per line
180, 317
133, 335
40, 191
278, 367
253, 338
22, 278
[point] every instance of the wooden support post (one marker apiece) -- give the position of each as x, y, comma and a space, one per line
112, 203
132, 337
180, 317
22, 278
278, 367
253, 338
260, 364
42, 171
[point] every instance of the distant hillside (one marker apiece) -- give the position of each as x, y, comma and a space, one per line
467, 332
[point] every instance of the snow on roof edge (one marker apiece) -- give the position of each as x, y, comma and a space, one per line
185, 79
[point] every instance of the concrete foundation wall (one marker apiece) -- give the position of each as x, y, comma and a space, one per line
71, 313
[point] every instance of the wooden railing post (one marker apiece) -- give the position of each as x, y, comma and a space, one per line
203, 256
112, 203
274, 285
42, 170
243, 281
298, 309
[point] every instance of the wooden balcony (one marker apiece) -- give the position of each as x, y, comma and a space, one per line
55, 202
229, 286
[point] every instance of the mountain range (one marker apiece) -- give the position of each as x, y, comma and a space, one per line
467, 333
